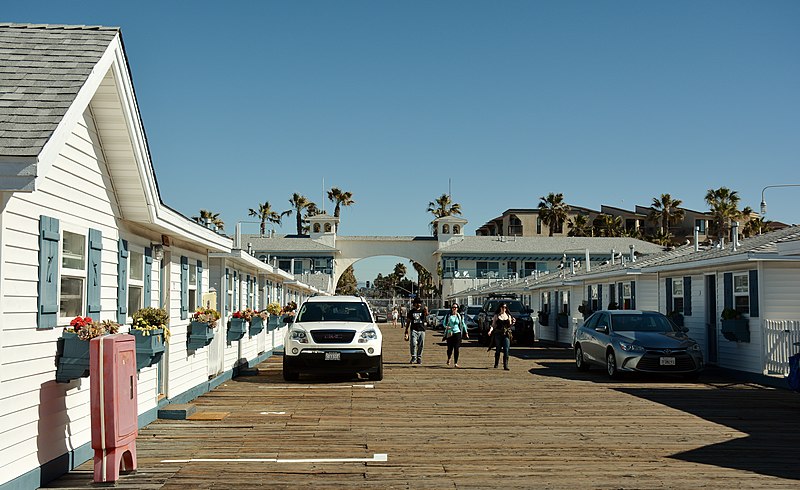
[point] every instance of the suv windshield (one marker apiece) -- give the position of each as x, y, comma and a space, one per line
473, 310
319, 311
646, 322
513, 306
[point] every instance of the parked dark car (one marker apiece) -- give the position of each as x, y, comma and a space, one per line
633, 340
523, 323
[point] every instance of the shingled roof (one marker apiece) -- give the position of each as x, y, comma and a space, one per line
42, 68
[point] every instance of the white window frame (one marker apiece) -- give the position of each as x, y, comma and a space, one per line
738, 293
229, 291
72, 273
192, 285
677, 294
135, 283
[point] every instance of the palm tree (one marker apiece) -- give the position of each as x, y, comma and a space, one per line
300, 203
553, 211
441, 207
341, 198
209, 217
665, 211
663, 239
266, 214
755, 226
609, 226
724, 205
579, 226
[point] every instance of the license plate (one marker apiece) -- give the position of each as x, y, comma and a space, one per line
667, 361
337, 356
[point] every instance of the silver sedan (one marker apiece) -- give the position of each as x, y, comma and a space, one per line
633, 340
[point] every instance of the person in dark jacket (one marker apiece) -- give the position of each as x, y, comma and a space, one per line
500, 332
416, 322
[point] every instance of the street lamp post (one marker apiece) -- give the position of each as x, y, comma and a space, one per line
764, 203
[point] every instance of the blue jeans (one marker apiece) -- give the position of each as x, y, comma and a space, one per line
416, 344
501, 343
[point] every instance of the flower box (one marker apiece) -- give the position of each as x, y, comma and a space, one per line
149, 347
200, 335
736, 330
73, 363
256, 325
274, 322
236, 329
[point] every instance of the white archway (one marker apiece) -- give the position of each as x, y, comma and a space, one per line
352, 249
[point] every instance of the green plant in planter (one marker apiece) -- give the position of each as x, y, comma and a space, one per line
735, 327
148, 320
209, 316
73, 359
152, 333
201, 331
731, 314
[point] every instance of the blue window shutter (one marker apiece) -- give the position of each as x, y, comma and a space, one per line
148, 277
249, 292
49, 239
754, 310
235, 305
122, 281
184, 287
600, 296
612, 294
687, 296
225, 294
619, 295
93, 274
633, 295
668, 287
727, 289
199, 300
589, 296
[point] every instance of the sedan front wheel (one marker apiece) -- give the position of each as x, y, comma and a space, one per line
611, 364
580, 362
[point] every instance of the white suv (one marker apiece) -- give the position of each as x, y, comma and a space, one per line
333, 334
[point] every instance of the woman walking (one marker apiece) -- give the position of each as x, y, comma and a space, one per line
454, 329
501, 329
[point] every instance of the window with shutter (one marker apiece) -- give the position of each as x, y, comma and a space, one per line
135, 281
148, 276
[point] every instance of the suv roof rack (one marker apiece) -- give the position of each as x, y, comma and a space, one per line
503, 295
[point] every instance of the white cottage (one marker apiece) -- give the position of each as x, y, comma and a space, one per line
83, 231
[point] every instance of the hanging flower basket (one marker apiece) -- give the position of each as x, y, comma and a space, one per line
73, 346
236, 329
201, 329
149, 347
256, 324
150, 329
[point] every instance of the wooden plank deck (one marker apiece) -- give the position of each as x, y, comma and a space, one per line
540, 425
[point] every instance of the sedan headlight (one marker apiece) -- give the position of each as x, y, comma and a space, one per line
630, 347
299, 335
367, 335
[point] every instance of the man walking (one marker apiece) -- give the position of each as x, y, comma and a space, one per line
417, 318
403, 314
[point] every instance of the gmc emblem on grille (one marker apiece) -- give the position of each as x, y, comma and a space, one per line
330, 336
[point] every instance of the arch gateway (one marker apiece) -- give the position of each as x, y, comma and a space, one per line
455, 261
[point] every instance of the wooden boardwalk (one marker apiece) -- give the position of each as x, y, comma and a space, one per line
540, 425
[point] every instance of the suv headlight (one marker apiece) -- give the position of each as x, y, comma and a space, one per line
631, 347
299, 335
368, 335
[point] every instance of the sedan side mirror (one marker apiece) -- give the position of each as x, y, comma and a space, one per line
685, 329
529, 310
602, 329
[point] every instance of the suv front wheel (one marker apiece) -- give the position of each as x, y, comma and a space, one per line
377, 375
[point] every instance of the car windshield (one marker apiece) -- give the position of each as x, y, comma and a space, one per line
513, 306
646, 322
473, 310
334, 311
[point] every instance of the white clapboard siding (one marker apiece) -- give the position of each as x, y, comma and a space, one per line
646, 293
696, 323
781, 291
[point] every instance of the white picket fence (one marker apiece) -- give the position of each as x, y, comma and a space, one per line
779, 339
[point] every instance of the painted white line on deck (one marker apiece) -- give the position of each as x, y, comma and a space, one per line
378, 457
312, 387
273, 413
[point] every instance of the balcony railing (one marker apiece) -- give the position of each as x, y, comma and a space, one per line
488, 274
780, 337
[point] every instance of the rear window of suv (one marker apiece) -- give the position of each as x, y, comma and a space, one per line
513, 306
320, 311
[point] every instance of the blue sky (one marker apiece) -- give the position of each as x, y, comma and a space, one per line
607, 102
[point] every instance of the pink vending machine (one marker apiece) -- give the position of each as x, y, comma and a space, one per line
115, 424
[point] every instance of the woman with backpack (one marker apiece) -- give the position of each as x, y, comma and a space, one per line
454, 329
